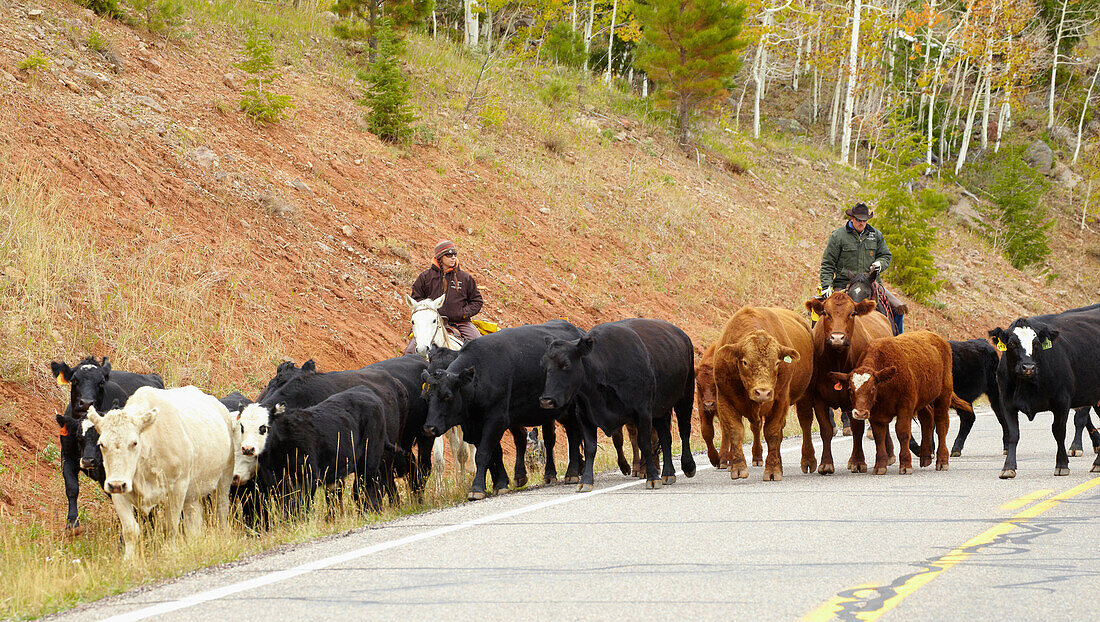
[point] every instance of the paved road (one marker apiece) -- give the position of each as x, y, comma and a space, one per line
929, 546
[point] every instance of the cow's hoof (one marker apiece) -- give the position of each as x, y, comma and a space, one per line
955, 453
890, 460
756, 462
520, 482
584, 488
669, 480
941, 467
549, 481
475, 496
739, 472
624, 467
857, 467
572, 480
1061, 470
902, 470
653, 484
847, 432
1096, 468
713, 459
1004, 453
773, 476
826, 468
1096, 450
722, 467
74, 530
1076, 452
809, 467
880, 470
689, 469
925, 462
1008, 473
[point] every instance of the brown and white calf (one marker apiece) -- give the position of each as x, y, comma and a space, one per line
897, 379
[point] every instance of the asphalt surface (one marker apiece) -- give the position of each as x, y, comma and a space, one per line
928, 546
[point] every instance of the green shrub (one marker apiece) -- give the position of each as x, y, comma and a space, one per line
564, 46
34, 62
96, 41
159, 16
256, 102
106, 8
905, 217
387, 92
492, 115
556, 91
1017, 221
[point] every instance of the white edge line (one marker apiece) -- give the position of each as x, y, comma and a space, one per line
289, 573
320, 564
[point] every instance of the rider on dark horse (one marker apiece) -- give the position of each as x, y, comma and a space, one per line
856, 249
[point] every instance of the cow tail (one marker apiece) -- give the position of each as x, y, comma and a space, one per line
960, 405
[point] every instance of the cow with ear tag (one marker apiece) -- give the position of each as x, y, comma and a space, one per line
169, 447
1049, 363
763, 363
91, 383
897, 379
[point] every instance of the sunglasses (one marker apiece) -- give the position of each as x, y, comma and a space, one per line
450, 254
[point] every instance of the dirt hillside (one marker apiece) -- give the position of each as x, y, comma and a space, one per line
301, 235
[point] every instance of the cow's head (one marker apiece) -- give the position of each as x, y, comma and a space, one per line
863, 384
705, 388
120, 442
1022, 344
447, 399
244, 467
284, 373
838, 318
758, 357
254, 423
563, 363
86, 382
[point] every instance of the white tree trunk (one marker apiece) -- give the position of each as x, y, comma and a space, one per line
758, 64
836, 105
971, 111
575, 15
1054, 65
986, 94
588, 31
473, 28
1081, 121
853, 56
797, 65
611, 39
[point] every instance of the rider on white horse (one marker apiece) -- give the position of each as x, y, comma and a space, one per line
461, 299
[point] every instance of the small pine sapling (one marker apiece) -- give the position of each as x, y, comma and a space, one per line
257, 102
386, 94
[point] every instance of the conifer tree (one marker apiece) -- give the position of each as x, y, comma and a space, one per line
387, 93
689, 47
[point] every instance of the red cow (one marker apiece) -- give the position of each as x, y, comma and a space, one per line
900, 377
840, 339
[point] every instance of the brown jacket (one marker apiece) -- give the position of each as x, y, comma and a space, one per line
463, 299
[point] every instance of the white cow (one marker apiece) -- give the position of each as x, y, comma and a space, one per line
171, 447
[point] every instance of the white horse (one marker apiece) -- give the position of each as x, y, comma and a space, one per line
429, 328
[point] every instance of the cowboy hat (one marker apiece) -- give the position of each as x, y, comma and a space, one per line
859, 212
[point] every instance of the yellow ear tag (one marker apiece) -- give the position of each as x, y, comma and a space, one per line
814, 316
61, 380
1001, 346
1047, 344
786, 359
424, 387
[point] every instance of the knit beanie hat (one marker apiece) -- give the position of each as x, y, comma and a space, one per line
443, 246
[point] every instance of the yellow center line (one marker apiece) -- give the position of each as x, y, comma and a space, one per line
834, 606
1027, 499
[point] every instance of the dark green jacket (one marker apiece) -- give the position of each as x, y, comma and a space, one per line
847, 250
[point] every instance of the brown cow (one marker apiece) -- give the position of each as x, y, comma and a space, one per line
763, 362
840, 339
707, 400
900, 377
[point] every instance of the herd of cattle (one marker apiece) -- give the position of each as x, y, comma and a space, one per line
180, 448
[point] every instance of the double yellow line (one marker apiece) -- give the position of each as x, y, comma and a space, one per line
869, 591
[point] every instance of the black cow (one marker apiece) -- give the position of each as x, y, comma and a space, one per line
1082, 421
441, 358
310, 387
91, 383
630, 371
407, 370
283, 374
235, 402
1049, 364
493, 385
974, 372
344, 434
